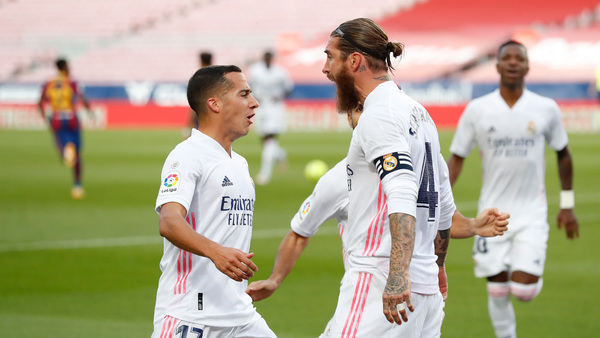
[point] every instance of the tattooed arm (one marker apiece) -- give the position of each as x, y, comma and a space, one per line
397, 289
441, 248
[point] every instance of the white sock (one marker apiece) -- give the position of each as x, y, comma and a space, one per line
501, 310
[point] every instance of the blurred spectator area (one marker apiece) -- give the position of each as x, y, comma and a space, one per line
113, 41
158, 40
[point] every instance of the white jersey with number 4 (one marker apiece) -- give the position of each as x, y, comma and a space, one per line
218, 194
328, 200
512, 142
398, 133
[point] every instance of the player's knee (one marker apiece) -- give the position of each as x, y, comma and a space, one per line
526, 292
498, 289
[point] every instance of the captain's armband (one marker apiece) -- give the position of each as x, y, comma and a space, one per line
391, 162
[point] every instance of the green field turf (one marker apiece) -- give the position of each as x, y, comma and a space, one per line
89, 268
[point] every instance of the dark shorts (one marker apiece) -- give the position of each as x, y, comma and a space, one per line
66, 130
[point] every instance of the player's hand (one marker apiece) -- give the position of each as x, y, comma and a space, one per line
443, 282
491, 222
261, 289
396, 298
234, 263
566, 218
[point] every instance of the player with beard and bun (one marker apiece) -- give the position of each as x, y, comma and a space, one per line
511, 127
400, 201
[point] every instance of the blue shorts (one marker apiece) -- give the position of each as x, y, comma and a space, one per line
66, 130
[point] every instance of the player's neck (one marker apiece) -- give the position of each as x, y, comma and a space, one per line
369, 82
217, 135
511, 94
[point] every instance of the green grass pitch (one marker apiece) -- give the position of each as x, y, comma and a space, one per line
89, 268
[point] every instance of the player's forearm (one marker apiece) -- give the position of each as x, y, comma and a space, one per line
462, 227
565, 168
177, 231
441, 243
454, 168
290, 250
402, 229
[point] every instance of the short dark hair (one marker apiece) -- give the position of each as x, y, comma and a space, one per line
509, 43
207, 82
206, 58
365, 36
61, 64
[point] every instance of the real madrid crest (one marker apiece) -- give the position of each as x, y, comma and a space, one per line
531, 128
389, 162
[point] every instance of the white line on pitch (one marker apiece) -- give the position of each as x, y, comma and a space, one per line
464, 207
130, 241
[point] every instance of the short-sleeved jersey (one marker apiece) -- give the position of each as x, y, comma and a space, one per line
218, 194
328, 200
398, 129
512, 142
270, 84
61, 93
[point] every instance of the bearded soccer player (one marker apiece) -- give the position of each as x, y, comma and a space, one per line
62, 93
400, 199
511, 127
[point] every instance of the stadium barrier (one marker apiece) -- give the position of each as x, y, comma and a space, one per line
302, 115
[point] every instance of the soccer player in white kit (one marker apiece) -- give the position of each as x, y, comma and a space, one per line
271, 84
205, 205
511, 127
399, 200
329, 200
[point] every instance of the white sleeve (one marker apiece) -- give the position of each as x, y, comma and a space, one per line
178, 180
328, 200
556, 135
378, 138
447, 206
463, 141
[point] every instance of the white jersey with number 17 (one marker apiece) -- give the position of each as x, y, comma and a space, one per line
218, 194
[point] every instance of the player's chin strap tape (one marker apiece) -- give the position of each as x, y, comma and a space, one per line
392, 162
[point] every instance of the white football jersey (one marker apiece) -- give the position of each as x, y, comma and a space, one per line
410, 177
269, 87
512, 142
328, 200
218, 194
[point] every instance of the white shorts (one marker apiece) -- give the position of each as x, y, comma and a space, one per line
359, 311
174, 328
521, 250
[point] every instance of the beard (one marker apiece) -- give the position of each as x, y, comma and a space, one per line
347, 95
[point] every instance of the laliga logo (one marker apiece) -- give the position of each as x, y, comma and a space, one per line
389, 162
171, 180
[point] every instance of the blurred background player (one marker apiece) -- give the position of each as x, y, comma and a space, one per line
205, 59
270, 84
206, 205
62, 93
511, 126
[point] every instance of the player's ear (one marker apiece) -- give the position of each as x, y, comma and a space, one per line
214, 104
355, 60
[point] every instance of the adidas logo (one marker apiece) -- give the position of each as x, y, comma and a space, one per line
492, 129
226, 182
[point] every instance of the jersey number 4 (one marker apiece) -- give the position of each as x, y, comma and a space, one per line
428, 196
